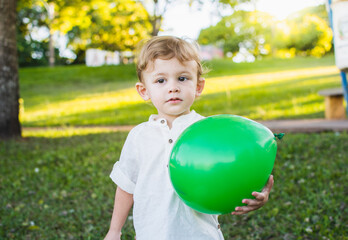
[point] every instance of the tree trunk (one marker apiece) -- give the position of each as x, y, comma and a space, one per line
156, 18
50, 14
51, 50
156, 25
9, 83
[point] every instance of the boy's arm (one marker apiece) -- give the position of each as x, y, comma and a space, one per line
261, 199
123, 203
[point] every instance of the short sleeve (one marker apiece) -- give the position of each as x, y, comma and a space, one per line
125, 171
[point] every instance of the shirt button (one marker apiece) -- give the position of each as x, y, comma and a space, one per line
162, 121
170, 141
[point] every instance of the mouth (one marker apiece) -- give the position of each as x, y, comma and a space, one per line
174, 100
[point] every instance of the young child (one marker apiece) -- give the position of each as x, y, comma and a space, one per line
170, 75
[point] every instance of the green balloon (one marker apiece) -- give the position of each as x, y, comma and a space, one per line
219, 161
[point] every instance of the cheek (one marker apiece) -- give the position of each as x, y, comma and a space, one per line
191, 90
190, 95
155, 95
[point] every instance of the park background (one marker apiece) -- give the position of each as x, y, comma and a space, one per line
54, 180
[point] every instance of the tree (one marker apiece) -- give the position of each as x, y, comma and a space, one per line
9, 84
31, 51
243, 29
306, 34
32, 17
37, 13
50, 16
156, 9
108, 24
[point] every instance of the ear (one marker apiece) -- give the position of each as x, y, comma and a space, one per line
141, 89
200, 86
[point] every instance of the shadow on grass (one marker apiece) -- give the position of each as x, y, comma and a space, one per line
58, 188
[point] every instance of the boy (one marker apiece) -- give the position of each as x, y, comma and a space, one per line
170, 75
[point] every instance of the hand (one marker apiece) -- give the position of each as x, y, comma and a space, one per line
112, 235
260, 199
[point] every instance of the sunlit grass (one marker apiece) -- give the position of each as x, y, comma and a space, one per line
108, 101
82, 104
277, 93
221, 84
69, 131
279, 109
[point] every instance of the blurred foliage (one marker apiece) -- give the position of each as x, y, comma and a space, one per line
104, 24
111, 25
32, 52
156, 9
308, 34
319, 11
305, 33
120, 25
243, 29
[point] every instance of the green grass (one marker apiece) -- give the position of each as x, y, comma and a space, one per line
267, 89
55, 185
220, 68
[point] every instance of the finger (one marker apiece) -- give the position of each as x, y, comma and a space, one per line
269, 185
259, 196
238, 213
244, 210
253, 202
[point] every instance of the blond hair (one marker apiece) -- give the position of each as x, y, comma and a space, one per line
167, 47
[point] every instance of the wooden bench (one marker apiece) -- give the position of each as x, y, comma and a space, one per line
334, 107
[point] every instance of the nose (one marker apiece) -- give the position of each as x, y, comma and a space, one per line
174, 89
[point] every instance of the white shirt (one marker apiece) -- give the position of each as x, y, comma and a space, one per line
142, 170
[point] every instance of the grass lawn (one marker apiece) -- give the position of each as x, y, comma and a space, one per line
267, 89
55, 185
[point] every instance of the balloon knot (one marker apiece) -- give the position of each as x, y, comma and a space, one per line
279, 135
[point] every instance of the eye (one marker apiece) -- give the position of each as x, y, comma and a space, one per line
181, 79
160, 80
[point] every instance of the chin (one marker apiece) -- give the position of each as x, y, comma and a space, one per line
178, 113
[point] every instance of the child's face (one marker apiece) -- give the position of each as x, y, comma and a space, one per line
171, 86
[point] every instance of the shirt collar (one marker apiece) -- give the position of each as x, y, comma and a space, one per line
153, 119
